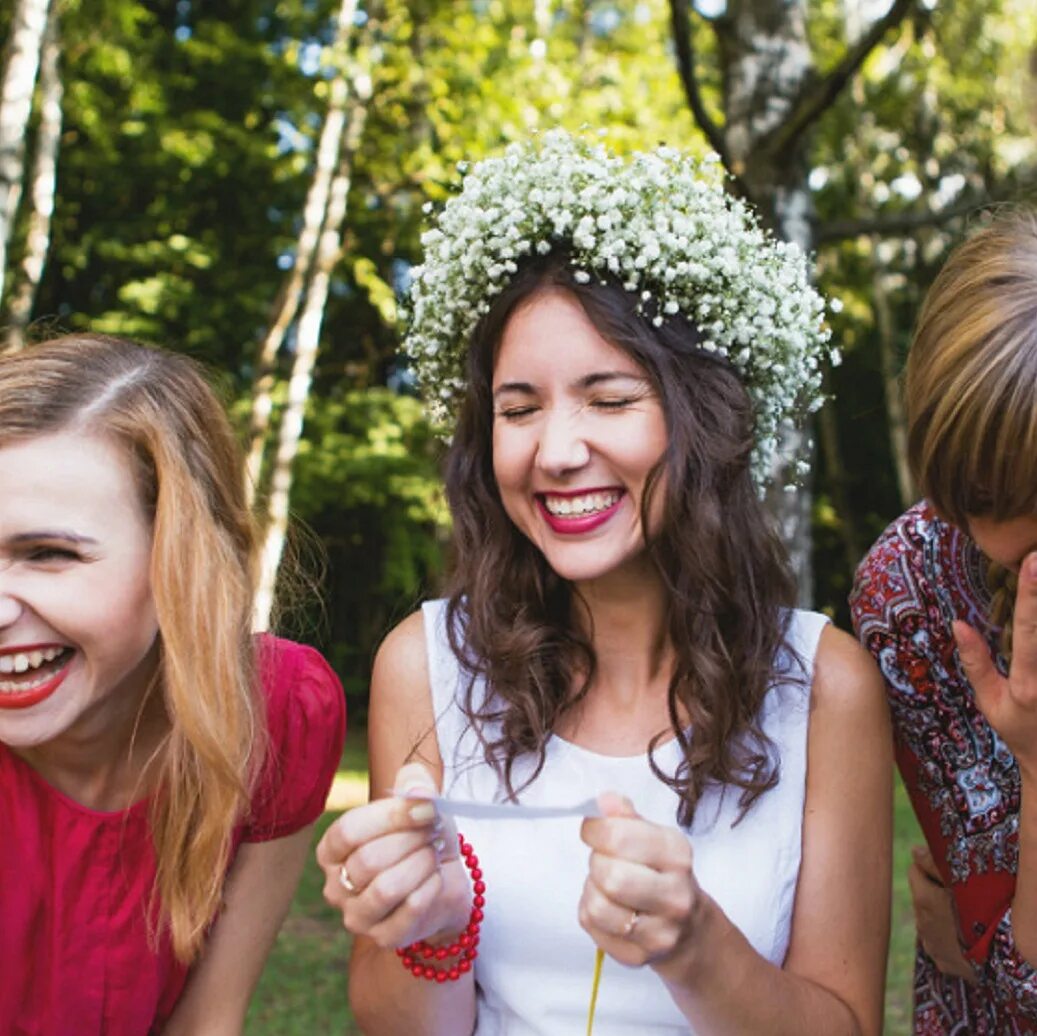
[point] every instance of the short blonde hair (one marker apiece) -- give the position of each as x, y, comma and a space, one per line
157, 406
971, 380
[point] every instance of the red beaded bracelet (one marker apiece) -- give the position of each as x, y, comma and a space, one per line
464, 947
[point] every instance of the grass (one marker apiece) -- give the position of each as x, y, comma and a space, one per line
303, 989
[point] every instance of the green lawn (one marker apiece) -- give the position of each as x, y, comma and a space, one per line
303, 990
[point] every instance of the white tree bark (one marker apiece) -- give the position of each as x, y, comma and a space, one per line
314, 213
42, 183
772, 96
307, 344
21, 63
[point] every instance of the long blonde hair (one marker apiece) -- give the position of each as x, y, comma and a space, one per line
159, 408
971, 385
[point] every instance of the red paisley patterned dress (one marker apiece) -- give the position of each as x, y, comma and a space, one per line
963, 781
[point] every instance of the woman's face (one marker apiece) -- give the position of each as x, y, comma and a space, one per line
78, 630
1005, 542
577, 428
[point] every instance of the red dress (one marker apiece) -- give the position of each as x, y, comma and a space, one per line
75, 883
963, 781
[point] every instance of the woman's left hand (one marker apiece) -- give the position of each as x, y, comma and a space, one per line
1009, 705
641, 903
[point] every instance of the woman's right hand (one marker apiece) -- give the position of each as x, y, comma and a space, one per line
935, 916
393, 867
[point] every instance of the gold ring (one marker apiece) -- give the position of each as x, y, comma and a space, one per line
628, 928
343, 880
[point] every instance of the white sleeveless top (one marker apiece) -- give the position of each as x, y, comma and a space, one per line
535, 962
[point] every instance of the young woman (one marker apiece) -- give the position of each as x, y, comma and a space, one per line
618, 628
160, 768
946, 601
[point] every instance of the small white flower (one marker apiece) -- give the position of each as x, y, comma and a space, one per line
662, 224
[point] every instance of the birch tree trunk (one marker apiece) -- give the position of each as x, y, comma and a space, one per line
314, 213
772, 96
43, 180
21, 63
306, 347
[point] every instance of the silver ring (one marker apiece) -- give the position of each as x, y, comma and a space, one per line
628, 928
343, 880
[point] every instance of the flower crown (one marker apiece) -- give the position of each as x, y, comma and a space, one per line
660, 223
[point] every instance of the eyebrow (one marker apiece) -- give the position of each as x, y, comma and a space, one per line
65, 535
586, 382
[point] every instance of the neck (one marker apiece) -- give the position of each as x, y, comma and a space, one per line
626, 618
107, 762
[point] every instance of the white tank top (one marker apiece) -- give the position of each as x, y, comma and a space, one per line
535, 962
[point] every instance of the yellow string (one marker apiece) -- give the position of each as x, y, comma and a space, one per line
599, 959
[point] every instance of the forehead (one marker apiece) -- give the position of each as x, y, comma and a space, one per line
75, 479
552, 334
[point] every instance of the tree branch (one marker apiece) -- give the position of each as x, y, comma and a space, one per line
816, 97
901, 223
680, 23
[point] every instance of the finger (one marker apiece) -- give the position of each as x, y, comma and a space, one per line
632, 886
373, 857
387, 894
1024, 624
414, 781
368, 822
612, 804
979, 667
924, 859
637, 840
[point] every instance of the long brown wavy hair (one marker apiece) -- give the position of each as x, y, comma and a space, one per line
971, 387
729, 587
157, 406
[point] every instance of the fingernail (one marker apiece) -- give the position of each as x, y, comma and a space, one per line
422, 812
1031, 566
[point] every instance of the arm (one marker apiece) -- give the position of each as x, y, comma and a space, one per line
832, 979
405, 889
258, 892
1010, 706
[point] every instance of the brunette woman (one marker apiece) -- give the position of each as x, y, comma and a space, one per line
620, 343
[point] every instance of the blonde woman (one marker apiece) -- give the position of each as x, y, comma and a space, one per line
160, 768
936, 602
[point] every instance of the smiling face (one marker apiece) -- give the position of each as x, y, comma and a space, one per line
577, 430
78, 630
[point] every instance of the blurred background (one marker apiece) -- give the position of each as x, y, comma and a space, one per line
244, 180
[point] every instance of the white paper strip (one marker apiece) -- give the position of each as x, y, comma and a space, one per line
509, 810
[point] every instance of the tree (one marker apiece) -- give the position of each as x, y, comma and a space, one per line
18, 81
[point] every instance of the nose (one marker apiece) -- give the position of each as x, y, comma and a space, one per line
11, 607
562, 447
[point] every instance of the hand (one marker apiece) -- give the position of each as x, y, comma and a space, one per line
1009, 705
393, 867
935, 916
640, 902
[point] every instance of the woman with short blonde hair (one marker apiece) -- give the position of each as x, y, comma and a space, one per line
936, 601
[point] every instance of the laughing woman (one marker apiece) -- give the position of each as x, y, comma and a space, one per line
160, 769
620, 344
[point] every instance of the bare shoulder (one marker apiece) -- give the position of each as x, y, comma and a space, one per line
401, 663
846, 678
401, 720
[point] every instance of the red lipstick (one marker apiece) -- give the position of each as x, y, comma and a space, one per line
34, 695
576, 524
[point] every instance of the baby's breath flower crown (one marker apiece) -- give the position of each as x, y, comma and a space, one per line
660, 223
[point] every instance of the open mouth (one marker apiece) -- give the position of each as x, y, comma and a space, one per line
22, 672
582, 505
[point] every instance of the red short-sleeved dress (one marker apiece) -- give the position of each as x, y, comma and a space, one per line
75, 883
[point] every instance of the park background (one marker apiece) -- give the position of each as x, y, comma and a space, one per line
245, 180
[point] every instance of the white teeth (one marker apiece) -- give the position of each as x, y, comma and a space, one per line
23, 661
572, 506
